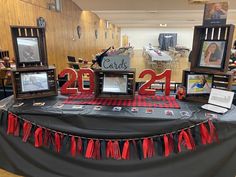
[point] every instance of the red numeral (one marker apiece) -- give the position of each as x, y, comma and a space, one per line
144, 89
90, 72
67, 88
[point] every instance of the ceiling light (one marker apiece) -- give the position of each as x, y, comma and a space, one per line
163, 25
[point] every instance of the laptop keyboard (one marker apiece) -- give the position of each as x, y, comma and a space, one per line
214, 108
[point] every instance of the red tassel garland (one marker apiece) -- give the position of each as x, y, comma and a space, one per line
90, 149
38, 137
116, 150
80, 146
13, 125
148, 148
183, 136
191, 139
166, 144
47, 137
125, 152
206, 139
213, 133
109, 150
97, 152
57, 142
27, 126
73, 147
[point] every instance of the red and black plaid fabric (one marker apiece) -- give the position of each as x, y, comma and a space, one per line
155, 101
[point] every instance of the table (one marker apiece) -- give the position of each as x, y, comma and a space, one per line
24, 159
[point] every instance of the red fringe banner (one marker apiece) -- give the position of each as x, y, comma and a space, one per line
57, 142
109, 150
206, 138
148, 148
73, 147
80, 146
97, 150
116, 150
27, 126
38, 137
166, 145
13, 125
183, 136
90, 149
125, 152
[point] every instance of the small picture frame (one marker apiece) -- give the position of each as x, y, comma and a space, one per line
198, 83
212, 54
215, 13
28, 48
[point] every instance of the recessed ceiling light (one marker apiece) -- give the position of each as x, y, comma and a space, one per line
163, 25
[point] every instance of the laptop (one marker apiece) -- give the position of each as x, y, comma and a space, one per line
220, 101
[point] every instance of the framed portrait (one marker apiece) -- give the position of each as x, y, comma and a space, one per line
35, 81
215, 13
212, 54
198, 84
28, 48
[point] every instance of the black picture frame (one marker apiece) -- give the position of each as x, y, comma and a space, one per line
115, 76
197, 85
219, 48
33, 51
36, 82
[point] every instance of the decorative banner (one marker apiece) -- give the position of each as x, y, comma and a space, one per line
116, 63
92, 148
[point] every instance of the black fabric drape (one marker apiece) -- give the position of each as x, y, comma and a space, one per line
215, 160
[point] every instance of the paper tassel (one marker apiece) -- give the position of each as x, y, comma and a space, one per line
38, 137
166, 144
205, 136
125, 151
148, 148
97, 150
109, 150
171, 143
213, 133
13, 125
27, 126
80, 146
90, 149
73, 147
116, 150
47, 137
191, 139
57, 142
183, 136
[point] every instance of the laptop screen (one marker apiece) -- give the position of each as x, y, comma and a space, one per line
221, 98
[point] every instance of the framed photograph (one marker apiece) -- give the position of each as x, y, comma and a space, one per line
212, 54
198, 84
34, 81
28, 49
215, 13
115, 83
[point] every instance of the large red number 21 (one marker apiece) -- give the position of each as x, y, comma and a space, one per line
144, 89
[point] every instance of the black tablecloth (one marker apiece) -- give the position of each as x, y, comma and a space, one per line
217, 159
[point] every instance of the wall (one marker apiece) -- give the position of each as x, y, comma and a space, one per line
139, 37
62, 39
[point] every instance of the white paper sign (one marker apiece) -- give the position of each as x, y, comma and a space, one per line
116, 63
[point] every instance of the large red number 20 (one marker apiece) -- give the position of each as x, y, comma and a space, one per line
69, 88
144, 89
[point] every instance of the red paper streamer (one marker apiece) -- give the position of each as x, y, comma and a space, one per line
148, 148
205, 136
57, 142
38, 137
116, 151
191, 139
166, 144
13, 125
213, 133
90, 149
125, 152
80, 146
183, 136
73, 146
26, 131
97, 152
109, 150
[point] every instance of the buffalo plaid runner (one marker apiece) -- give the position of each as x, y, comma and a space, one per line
155, 101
